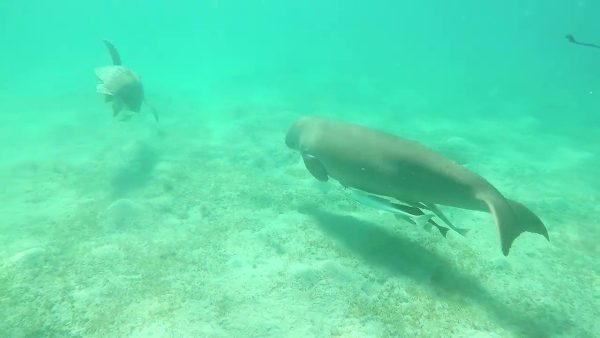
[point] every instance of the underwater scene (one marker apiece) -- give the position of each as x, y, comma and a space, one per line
263, 168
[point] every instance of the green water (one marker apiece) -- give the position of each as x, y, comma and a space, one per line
206, 225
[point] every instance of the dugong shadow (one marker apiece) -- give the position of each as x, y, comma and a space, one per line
136, 171
400, 256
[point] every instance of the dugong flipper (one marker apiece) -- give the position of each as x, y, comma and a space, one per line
315, 167
120, 85
382, 164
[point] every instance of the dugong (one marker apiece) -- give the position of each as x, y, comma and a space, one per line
385, 165
120, 85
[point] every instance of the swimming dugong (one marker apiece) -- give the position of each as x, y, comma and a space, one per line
121, 86
386, 165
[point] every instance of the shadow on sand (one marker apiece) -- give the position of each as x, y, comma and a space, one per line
379, 247
136, 172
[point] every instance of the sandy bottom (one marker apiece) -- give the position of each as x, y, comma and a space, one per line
206, 225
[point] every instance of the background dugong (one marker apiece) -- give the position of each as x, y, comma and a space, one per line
121, 86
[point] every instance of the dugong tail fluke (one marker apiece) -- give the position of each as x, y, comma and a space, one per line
114, 54
513, 218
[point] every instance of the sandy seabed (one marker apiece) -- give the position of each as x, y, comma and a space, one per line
206, 225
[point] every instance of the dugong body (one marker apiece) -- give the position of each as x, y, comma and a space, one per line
386, 165
120, 85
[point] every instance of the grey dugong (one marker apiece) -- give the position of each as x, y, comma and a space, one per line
387, 165
120, 85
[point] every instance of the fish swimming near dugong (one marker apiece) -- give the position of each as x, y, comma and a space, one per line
385, 165
121, 86
406, 212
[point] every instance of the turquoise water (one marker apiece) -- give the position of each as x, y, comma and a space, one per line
206, 225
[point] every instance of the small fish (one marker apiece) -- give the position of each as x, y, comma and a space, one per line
571, 39
409, 213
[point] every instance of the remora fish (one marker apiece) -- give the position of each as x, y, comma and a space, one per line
411, 214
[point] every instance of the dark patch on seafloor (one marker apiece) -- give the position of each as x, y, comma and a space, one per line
399, 255
136, 172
